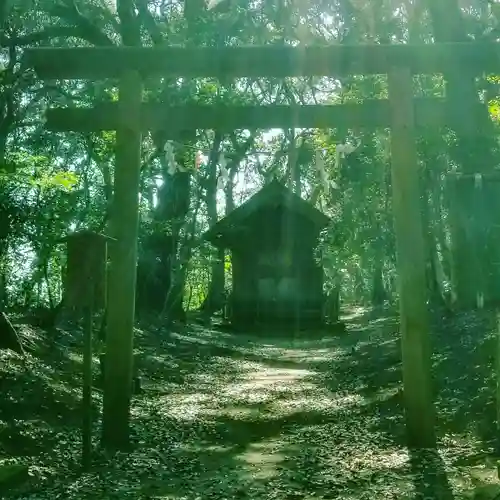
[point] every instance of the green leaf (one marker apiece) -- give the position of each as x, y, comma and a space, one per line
66, 180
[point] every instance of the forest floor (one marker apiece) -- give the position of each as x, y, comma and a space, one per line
227, 416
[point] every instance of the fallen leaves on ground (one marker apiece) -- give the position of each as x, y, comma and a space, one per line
257, 416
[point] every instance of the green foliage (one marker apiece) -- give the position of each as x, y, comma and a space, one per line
51, 183
36, 171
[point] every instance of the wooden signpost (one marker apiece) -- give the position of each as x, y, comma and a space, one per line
474, 204
85, 290
130, 118
86, 268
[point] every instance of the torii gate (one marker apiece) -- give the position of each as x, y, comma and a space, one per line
130, 118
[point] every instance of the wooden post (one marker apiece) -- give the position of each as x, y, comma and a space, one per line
420, 413
497, 444
123, 270
88, 316
463, 225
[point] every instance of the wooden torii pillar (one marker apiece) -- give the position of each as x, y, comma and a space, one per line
130, 117
123, 259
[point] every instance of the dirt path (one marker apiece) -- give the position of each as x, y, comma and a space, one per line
319, 418
227, 417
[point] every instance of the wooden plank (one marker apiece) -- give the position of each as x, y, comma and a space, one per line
410, 264
123, 269
372, 114
86, 257
260, 61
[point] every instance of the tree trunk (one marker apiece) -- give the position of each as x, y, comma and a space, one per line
46, 277
3, 290
153, 272
178, 273
160, 253
293, 164
440, 266
3, 274
332, 302
216, 297
434, 290
379, 294
174, 300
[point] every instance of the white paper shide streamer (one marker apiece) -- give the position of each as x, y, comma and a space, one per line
223, 178
342, 150
173, 166
325, 181
211, 4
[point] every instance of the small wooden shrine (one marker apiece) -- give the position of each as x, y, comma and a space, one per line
276, 280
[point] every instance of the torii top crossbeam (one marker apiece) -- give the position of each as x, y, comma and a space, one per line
260, 61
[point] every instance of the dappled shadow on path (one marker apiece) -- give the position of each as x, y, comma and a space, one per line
265, 417
429, 475
323, 416
320, 417
464, 368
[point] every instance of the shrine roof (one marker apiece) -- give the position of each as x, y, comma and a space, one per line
273, 195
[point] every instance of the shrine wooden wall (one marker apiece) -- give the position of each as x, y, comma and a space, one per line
275, 276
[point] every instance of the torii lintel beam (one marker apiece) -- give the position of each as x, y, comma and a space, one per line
261, 61
372, 114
